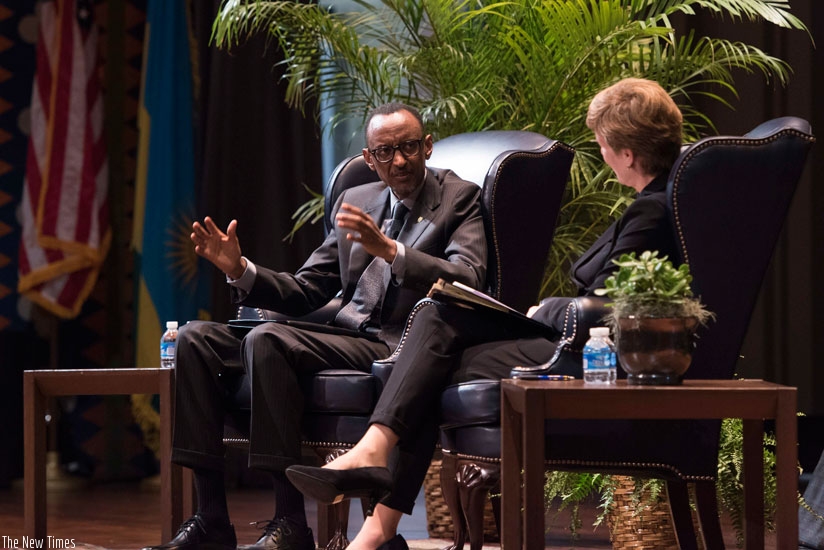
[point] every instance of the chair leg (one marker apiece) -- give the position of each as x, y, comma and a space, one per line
474, 482
706, 500
449, 488
333, 519
681, 515
339, 540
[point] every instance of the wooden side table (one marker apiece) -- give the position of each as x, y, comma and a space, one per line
524, 405
39, 385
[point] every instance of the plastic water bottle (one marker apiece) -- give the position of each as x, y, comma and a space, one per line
167, 345
599, 357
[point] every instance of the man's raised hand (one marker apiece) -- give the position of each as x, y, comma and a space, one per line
222, 249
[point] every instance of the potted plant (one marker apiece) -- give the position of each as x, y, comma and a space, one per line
654, 317
633, 507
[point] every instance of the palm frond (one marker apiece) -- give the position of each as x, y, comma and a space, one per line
516, 64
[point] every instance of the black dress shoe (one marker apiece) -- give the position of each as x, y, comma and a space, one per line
395, 543
332, 486
197, 533
283, 534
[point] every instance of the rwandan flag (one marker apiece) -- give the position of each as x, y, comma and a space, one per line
171, 285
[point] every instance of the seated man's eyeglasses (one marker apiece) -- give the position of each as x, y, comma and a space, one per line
409, 149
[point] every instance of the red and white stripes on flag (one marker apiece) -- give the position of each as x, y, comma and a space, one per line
64, 209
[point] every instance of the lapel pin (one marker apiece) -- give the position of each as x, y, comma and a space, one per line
420, 219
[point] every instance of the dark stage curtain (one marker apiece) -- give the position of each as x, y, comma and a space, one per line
256, 153
786, 325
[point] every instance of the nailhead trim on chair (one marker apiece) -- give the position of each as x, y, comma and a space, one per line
415, 310
732, 141
327, 444
473, 457
566, 341
258, 310
645, 465
244, 442
557, 145
592, 464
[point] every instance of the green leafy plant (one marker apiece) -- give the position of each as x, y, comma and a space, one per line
650, 286
471, 65
730, 481
570, 489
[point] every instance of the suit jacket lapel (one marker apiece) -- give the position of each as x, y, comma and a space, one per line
421, 215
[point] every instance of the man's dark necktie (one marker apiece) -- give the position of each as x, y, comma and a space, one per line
371, 285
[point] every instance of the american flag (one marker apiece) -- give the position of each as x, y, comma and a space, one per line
64, 208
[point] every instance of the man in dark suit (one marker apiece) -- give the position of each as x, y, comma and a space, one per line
638, 127
434, 230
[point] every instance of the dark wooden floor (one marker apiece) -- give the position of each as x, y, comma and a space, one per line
115, 516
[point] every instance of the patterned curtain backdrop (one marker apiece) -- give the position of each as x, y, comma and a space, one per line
18, 29
247, 143
18, 35
96, 437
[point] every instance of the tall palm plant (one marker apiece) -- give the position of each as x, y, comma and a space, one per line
472, 65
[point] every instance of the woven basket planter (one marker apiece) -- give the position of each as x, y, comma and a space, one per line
647, 526
438, 518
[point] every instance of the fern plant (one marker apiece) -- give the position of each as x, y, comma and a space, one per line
471, 65
730, 482
572, 488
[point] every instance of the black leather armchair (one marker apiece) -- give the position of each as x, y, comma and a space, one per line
523, 176
728, 197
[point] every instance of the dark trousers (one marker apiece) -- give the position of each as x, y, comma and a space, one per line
445, 344
210, 361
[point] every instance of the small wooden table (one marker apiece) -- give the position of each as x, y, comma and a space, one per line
39, 385
524, 405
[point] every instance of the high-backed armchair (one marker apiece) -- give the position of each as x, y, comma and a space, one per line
523, 176
728, 197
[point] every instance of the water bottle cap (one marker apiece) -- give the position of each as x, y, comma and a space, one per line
599, 331
171, 325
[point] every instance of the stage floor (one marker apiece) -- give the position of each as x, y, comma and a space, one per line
124, 515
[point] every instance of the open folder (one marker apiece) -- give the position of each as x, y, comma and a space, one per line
462, 295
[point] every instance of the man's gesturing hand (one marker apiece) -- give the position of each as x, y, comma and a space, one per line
222, 249
362, 229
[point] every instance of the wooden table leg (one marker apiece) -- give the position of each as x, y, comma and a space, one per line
786, 435
171, 490
34, 451
753, 431
511, 466
533, 448
39, 385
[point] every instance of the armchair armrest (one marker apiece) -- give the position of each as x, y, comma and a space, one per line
382, 368
582, 313
322, 315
